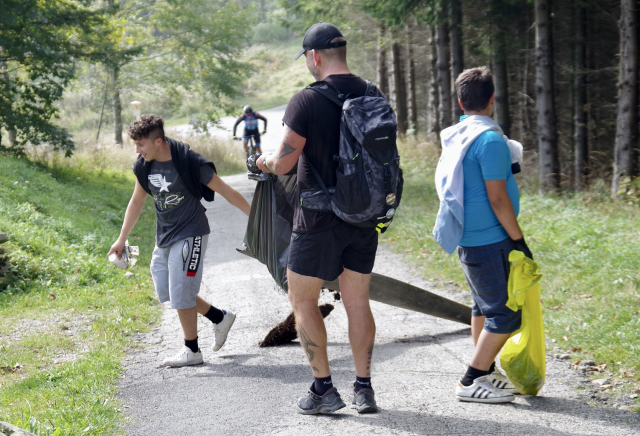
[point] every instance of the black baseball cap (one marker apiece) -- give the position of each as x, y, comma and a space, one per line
319, 37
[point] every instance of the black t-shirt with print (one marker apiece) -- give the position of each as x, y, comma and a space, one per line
317, 119
179, 214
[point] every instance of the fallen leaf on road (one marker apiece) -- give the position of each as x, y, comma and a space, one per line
52, 297
576, 349
408, 250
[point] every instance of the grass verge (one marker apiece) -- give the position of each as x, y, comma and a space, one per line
586, 246
68, 316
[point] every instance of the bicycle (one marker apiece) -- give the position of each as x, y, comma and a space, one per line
253, 172
251, 147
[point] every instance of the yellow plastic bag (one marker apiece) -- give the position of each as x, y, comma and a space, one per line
523, 357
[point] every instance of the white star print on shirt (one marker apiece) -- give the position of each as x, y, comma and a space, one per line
159, 181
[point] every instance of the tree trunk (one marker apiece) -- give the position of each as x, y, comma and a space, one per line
411, 81
627, 118
117, 106
383, 73
457, 53
444, 72
11, 133
399, 86
581, 145
433, 75
549, 167
104, 103
499, 68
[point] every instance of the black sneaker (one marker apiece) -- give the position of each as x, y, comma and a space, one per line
313, 403
364, 401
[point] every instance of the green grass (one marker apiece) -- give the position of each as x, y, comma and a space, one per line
68, 315
585, 244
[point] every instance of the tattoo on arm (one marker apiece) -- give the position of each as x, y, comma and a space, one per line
315, 369
287, 149
306, 344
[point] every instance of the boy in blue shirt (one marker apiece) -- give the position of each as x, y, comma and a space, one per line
491, 231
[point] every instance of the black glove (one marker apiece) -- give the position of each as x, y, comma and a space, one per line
252, 165
521, 245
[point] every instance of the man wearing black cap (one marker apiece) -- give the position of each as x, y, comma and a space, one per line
323, 247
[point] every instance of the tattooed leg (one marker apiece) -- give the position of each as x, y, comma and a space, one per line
354, 289
306, 343
369, 355
304, 293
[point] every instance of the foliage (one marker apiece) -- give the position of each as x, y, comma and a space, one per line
68, 316
39, 43
395, 13
629, 190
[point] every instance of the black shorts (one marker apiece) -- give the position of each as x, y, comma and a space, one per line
325, 254
254, 133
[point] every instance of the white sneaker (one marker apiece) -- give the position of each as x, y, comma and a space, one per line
184, 357
501, 382
482, 391
221, 330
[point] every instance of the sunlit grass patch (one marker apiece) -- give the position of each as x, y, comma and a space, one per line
67, 316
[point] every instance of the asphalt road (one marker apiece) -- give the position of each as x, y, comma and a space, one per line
245, 390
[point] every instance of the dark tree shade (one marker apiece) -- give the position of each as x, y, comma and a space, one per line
549, 167
627, 119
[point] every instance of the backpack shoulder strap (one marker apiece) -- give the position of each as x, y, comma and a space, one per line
329, 91
371, 91
319, 179
141, 170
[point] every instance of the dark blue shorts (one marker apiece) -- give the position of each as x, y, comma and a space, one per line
486, 269
325, 254
254, 133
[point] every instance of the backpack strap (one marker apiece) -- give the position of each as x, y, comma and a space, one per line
319, 179
141, 170
328, 90
372, 90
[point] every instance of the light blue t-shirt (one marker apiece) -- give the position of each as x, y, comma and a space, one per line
488, 158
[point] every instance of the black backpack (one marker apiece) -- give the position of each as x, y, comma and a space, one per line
187, 163
369, 178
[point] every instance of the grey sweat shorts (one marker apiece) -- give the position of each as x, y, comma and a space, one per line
177, 271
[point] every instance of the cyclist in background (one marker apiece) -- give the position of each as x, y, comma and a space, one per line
250, 119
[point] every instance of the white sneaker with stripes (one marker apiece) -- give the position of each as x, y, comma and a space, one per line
502, 382
482, 391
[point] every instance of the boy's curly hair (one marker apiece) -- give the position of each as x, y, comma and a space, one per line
148, 126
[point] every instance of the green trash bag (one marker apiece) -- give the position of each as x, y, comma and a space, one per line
523, 357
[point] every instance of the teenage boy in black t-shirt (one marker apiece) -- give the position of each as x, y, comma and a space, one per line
323, 247
177, 177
